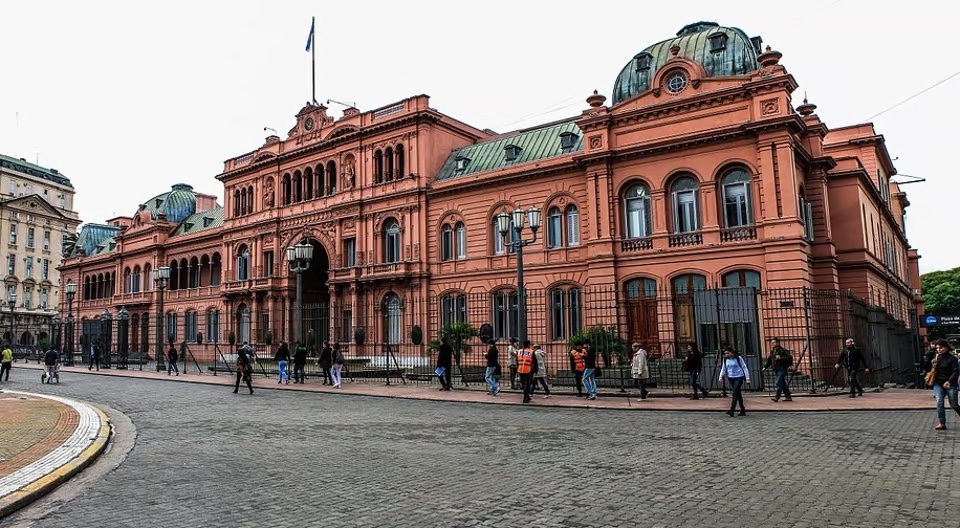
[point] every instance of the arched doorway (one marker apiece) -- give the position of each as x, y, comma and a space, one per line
316, 297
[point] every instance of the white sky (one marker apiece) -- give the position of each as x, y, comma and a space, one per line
126, 100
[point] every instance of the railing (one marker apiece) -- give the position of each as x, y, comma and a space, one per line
390, 110
736, 234
636, 244
388, 268
686, 239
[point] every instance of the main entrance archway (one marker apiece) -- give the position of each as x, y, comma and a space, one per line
316, 297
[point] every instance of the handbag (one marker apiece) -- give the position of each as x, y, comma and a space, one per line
931, 377
597, 373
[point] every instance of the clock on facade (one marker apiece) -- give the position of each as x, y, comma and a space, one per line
308, 123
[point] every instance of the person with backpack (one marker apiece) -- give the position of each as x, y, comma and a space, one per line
283, 357
735, 371
172, 358
244, 368
782, 361
299, 362
338, 362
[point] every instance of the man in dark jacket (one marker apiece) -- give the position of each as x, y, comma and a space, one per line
445, 361
299, 362
853, 360
781, 360
172, 358
326, 361
282, 357
50, 360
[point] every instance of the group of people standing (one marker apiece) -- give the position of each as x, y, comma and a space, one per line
330, 361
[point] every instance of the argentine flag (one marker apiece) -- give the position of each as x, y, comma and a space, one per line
310, 38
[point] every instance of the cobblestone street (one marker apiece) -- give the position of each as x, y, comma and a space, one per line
206, 457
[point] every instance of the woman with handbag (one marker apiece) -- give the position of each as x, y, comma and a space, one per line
942, 375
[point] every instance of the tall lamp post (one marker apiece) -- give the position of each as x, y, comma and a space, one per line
106, 337
298, 258
123, 337
71, 291
515, 220
12, 302
56, 334
161, 277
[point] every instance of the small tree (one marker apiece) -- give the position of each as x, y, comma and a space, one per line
606, 341
458, 335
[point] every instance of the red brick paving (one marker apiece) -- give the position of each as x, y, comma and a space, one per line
30, 428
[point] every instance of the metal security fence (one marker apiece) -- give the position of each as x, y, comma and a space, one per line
392, 337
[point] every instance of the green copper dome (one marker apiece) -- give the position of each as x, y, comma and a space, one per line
721, 50
175, 205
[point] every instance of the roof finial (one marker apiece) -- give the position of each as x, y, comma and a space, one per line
804, 97
596, 99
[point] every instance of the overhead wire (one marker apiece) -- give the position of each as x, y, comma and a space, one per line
908, 99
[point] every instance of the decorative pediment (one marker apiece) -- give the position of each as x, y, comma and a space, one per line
33, 204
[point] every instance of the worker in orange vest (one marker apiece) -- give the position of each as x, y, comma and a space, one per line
578, 364
526, 366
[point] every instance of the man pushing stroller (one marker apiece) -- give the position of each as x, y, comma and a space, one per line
51, 362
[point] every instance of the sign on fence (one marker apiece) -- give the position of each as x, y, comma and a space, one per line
941, 320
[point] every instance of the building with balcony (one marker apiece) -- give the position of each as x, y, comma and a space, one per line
36, 219
702, 173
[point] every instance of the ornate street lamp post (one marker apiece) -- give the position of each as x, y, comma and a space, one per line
106, 337
56, 334
123, 338
161, 277
71, 291
298, 258
504, 221
12, 302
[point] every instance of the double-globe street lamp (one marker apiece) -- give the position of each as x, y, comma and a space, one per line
515, 221
71, 291
298, 258
161, 277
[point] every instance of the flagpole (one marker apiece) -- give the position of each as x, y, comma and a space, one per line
313, 60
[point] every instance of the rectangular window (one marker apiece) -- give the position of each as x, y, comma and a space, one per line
12, 265
685, 217
736, 205
190, 325
446, 243
506, 316
46, 240
29, 269
268, 264
171, 327
13, 188
27, 297
62, 202
30, 233
554, 227
213, 326
576, 311
453, 309
573, 227
806, 212
44, 298
346, 325
501, 243
13, 234
461, 241
557, 315
349, 252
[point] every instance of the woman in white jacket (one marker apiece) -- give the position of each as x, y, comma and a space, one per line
540, 376
735, 370
640, 369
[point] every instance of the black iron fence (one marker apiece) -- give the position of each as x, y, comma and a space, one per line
394, 338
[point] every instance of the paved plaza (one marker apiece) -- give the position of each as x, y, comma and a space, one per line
206, 457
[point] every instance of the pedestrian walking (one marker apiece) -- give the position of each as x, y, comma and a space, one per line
51, 361
444, 363
94, 357
943, 372
540, 375
326, 361
693, 365
589, 371
852, 359
526, 366
172, 358
782, 362
6, 363
640, 369
283, 357
493, 369
577, 366
512, 350
299, 362
735, 371
338, 362
244, 368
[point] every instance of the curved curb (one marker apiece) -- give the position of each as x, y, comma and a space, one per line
48, 482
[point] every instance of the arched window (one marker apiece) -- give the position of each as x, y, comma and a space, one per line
388, 161
308, 185
461, 240
243, 263
686, 206
171, 327
446, 243
737, 206
501, 243
286, 189
391, 241
297, 186
174, 283
453, 309
401, 161
378, 166
573, 225
135, 279
147, 277
637, 211
806, 216
321, 180
331, 177
202, 270
554, 228
566, 313
685, 305
213, 325
250, 199
506, 314
686, 284
741, 279
236, 203
243, 324
392, 319
127, 281
215, 266
193, 275
642, 313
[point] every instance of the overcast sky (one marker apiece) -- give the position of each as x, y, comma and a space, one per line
126, 100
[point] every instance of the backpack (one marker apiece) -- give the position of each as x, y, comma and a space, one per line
339, 358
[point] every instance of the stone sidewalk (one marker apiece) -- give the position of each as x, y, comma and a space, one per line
44, 440
886, 400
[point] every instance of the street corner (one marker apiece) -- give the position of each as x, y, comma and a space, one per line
44, 441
